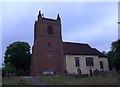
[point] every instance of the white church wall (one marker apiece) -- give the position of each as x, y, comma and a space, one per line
71, 68
105, 64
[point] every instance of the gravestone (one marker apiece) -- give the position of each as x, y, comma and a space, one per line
114, 72
91, 73
119, 77
79, 71
102, 73
66, 72
96, 72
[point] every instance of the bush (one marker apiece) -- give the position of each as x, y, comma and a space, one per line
20, 72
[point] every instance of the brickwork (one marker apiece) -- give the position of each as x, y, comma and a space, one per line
47, 51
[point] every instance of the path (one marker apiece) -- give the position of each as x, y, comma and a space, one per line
34, 80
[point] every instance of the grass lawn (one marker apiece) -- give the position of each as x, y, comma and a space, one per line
16, 81
62, 80
67, 80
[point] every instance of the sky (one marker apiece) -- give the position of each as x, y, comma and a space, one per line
119, 20
94, 23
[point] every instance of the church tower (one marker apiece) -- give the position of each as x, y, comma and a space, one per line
47, 51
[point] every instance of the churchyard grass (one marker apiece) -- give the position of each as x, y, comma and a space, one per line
16, 81
62, 80
68, 80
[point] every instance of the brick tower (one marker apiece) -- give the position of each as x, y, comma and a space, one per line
47, 51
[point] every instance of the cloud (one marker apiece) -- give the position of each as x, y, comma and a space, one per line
0, 35
97, 24
60, 0
92, 23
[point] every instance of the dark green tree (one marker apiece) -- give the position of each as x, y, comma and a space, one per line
18, 55
116, 60
114, 55
110, 56
8, 68
115, 46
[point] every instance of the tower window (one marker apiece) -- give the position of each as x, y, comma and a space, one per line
49, 44
50, 30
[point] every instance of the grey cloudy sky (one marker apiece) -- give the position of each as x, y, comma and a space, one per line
94, 23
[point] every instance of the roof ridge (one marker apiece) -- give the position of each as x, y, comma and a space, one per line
49, 19
80, 49
76, 43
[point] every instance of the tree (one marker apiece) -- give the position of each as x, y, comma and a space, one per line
116, 46
114, 55
8, 68
18, 55
116, 60
110, 56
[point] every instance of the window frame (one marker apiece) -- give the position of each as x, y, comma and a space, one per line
50, 30
49, 44
101, 65
89, 61
77, 61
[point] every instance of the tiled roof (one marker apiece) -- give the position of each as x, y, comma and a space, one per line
80, 49
98, 53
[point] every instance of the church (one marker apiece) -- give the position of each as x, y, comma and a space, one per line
50, 55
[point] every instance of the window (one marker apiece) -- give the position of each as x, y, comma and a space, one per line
77, 63
101, 64
49, 44
89, 61
50, 30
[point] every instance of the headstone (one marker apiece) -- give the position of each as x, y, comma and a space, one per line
114, 72
96, 72
119, 77
79, 71
66, 72
6, 74
91, 73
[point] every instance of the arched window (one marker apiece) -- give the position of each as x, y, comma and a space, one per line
50, 30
